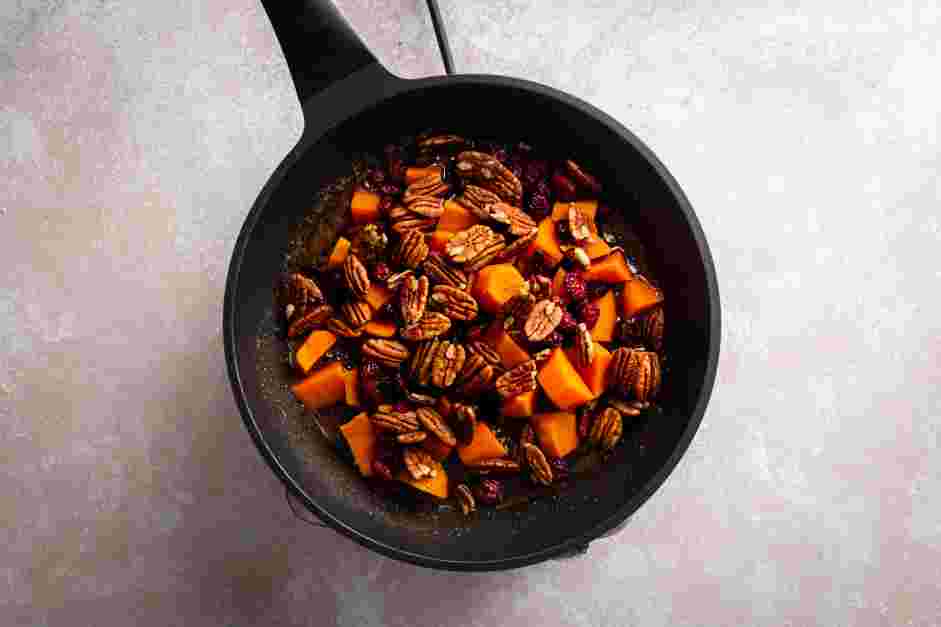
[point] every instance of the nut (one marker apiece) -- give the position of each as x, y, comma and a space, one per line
428, 206
518, 220
447, 363
394, 281
356, 312
419, 463
340, 327
387, 352
431, 325
437, 142
300, 293
477, 200
606, 430
518, 380
625, 408
474, 244
652, 329
582, 178
429, 186
356, 275
543, 320
483, 349
518, 246
487, 172
464, 422
413, 298
636, 371
647, 382
489, 492
413, 437
496, 465
422, 360
584, 346
386, 418
412, 249
456, 303
539, 468
435, 424
443, 273
578, 224
403, 221
309, 321
465, 499
475, 376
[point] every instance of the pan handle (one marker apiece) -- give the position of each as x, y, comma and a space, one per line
319, 45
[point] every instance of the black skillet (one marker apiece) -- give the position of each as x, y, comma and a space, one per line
350, 102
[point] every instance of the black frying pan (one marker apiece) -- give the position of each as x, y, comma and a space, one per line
350, 103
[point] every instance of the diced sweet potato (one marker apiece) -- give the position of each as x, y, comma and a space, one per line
558, 284
510, 352
436, 448
520, 406
456, 217
313, 348
639, 296
485, 445
413, 174
436, 486
610, 269
438, 240
351, 392
378, 295
324, 388
562, 383
597, 247
589, 208
380, 328
595, 375
556, 432
608, 318
546, 243
495, 285
361, 439
340, 250
364, 207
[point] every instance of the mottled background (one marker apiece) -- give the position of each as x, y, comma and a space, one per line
134, 137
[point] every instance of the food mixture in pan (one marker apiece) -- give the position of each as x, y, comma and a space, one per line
476, 322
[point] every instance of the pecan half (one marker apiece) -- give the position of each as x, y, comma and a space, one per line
606, 430
387, 352
543, 320
413, 437
465, 499
636, 371
310, 320
437, 142
475, 377
584, 346
402, 221
435, 424
413, 298
428, 206
456, 303
518, 220
464, 420
517, 380
474, 243
431, 325
356, 312
419, 368
412, 250
539, 467
652, 329
340, 327
356, 275
483, 349
581, 177
625, 408
386, 418
299, 294
518, 246
447, 363
395, 280
419, 463
487, 172
647, 381
427, 186
478, 199
578, 224
496, 465
442, 272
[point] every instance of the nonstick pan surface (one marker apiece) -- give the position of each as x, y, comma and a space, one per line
352, 104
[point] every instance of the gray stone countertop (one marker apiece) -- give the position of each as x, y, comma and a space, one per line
134, 136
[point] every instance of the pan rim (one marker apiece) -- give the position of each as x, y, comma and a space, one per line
395, 87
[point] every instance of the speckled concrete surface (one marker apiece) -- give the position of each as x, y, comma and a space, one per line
133, 138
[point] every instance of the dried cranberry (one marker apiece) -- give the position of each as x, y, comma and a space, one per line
489, 492
381, 469
381, 271
568, 323
390, 189
501, 155
395, 162
402, 406
535, 171
385, 204
563, 187
584, 425
575, 286
560, 468
589, 314
377, 177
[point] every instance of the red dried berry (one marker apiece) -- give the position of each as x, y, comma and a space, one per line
575, 286
560, 468
489, 492
377, 177
390, 189
381, 470
584, 425
381, 271
568, 323
563, 187
589, 314
535, 171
